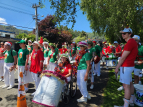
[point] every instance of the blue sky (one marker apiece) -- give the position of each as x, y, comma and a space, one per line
8, 14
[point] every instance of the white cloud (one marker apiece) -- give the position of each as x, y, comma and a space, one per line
2, 20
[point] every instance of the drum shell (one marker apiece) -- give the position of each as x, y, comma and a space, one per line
48, 92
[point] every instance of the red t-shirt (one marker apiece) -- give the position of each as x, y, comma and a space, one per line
118, 49
104, 51
36, 57
1, 51
65, 71
131, 46
109, 49
63, 50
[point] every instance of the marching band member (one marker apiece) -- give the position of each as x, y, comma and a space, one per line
2, 62
99, 54
83, 71
63, 50
126, 65
36, 67
73, 51
139, 61
52, 57
46, 51
23, 58
91, 51
10, 62
118, 49
29, 46
104, 53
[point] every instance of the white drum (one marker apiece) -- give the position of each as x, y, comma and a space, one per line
49, 90
111, 62
138, 95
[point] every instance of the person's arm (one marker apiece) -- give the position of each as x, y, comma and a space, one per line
69, 74
122, 59
26, 63
48, 59
15, 61
87, 70
100, 55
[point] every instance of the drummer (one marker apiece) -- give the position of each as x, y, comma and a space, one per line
52, 57
63, 50
67, 69
46, 50
118, 49
91, 51
83, 72
36, 67
139, 64
126, 65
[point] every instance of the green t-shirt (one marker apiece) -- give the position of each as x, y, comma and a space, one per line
73, 51
82, 64
30, 48
8, 56
140, 53
98, 49
45, 53
54, 57
22, 53
90, 51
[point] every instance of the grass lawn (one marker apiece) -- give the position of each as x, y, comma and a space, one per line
111, 95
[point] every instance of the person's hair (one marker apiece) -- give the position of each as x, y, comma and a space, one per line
39, 47
53, 47
131, 34
67, 60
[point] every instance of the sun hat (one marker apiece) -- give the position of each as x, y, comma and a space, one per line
35, 42
64, 55
45, 43
29, 41
127, 30
22, 41
115, 42
83, 43
8, 43
136, 37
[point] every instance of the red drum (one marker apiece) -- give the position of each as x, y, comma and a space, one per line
96, 59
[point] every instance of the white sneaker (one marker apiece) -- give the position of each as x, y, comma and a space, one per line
140, 82
92, 86
120, 88
82, 99
33, 94
10, 87
88, 97
5, 86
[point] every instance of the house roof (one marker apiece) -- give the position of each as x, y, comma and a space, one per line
7, 31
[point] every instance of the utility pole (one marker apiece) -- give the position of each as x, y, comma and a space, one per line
36, 19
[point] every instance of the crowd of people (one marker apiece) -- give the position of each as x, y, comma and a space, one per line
35, 57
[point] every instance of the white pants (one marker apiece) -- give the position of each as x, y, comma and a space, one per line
82, 85
27, 78
51, 66
103, 58
1, 68
45, 60
97, 69
92, 72
126, 75
8, 76
36, 79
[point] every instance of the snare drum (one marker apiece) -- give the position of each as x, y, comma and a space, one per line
49, 90
138, 95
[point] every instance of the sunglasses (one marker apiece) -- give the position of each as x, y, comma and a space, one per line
81, 46
123, 33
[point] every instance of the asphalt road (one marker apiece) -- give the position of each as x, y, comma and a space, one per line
8, 98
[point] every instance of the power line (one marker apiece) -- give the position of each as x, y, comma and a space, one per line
15, 10
17, 1
15, 26
12, 6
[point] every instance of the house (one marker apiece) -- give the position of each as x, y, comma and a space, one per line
9, 36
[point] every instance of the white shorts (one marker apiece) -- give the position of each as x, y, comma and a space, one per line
137, 71
45, 60
126, 75
27, 78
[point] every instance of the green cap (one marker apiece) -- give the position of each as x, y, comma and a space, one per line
22, 41
52, 44
90, 42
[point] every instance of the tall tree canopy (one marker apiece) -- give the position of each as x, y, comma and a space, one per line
105, 16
